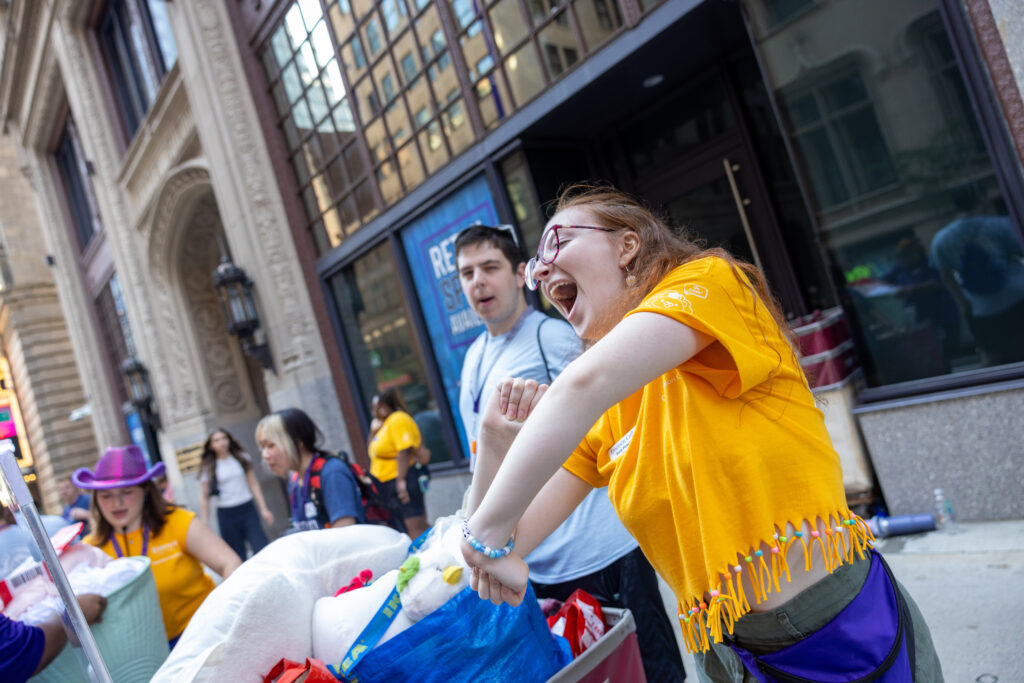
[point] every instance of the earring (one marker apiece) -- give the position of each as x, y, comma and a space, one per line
630, 278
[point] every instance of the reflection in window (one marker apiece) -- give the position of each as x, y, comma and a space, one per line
599, 20
838, 134
914, 220
381, 341
139, 50
77, 182
779, 11
506, 45
316, 119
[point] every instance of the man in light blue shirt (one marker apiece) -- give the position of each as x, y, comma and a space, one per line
591, 549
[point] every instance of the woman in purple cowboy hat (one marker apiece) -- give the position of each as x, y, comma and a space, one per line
131, 517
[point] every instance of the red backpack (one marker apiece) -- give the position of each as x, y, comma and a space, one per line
376, 509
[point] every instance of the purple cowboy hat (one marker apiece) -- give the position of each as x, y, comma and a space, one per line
119, 466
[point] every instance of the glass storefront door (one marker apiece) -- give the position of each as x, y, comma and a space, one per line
382, 343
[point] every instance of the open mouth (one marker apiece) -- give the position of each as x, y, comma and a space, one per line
563, 295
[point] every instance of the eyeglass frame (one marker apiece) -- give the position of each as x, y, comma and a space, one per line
504, 227
531, 266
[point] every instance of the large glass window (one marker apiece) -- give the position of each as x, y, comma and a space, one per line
315, 112
515, 50
379, 333
77, 181
136, 39
905, 196
113, 324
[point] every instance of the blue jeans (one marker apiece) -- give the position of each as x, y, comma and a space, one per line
239, 524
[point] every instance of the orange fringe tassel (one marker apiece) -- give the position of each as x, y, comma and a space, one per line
702, 623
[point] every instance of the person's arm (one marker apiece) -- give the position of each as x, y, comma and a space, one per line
54, 635
962, 303
496, 437
210, 549
257, 495
340, 493
204, 501
639, 349
405, 458
78, 514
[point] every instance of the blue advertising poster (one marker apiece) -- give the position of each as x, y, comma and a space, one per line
430, 248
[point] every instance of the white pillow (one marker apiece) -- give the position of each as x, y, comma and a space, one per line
263, 611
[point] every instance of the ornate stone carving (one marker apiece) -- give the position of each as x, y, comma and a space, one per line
1000, 71
198, 260
185, 184
294, 339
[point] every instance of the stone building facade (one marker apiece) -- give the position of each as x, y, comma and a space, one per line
332, 148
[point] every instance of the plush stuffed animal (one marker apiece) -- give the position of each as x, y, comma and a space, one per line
425, 581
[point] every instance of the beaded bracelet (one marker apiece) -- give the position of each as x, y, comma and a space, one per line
493, 553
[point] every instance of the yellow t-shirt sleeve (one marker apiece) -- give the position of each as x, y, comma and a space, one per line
583, 463
403, 432
709, 296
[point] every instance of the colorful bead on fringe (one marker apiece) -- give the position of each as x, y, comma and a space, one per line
838, 544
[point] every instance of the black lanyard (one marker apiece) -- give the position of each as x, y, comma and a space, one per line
478, 386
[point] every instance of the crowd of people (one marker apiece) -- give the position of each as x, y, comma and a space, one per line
663, 427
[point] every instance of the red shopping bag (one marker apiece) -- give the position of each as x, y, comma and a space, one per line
287, 671
580, 620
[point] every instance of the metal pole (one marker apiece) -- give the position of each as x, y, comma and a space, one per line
74, 621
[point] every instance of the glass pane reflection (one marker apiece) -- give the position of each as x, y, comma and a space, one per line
907, 202
381, 340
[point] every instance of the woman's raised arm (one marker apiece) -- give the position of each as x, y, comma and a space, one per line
639, 349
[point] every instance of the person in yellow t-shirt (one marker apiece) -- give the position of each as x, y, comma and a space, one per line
131, 517
690, 405
396, 457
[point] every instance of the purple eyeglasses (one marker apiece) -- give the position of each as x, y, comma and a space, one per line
547, 252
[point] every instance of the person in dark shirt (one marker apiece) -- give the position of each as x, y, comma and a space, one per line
26, 650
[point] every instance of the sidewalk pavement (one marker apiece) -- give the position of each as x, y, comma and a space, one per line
970, 587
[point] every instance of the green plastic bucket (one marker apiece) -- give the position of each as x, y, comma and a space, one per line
130, 637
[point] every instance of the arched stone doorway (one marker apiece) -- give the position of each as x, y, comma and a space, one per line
200, 374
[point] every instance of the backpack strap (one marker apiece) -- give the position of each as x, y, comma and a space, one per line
315, 485
540, 347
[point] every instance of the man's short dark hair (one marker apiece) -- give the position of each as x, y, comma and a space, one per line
502, 238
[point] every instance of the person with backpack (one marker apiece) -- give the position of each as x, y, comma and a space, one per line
322, 489
979, 260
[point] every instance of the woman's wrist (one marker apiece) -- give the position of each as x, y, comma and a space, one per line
490, 551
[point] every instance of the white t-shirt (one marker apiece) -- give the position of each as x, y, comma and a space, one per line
592, 537
232, 488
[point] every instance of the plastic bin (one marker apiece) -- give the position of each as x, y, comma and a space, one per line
836, 402
615, 657
829, 368
130, 637
821, 331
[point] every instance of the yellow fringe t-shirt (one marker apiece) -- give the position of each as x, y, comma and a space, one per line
716, 456
398, 432
181, 583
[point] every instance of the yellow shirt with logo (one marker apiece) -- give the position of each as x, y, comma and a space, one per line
181, 583
715, 457
398, 432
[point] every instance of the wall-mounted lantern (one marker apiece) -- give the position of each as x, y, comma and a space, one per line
243, 319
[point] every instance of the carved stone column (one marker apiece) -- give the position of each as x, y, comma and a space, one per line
252, 212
